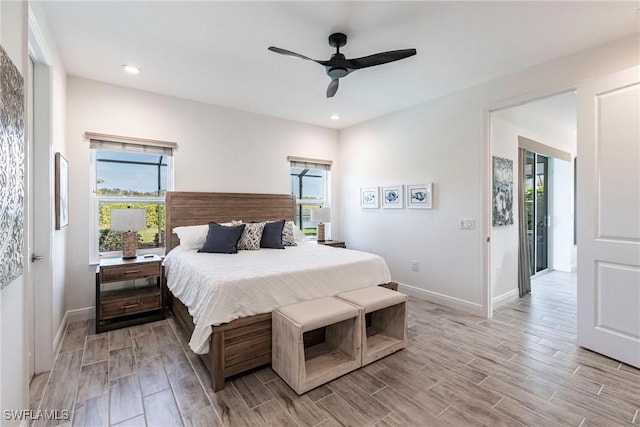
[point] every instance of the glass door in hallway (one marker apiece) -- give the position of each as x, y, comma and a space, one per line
537, 203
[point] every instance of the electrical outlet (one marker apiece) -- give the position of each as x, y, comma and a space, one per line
414, 265
467, 223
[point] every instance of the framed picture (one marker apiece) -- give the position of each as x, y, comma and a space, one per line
420, 196
369, 198
502, 191
62, 191
393, 197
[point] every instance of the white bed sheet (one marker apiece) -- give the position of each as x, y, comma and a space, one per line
219, 288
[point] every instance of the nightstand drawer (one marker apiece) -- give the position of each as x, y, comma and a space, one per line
116, 305
118, 273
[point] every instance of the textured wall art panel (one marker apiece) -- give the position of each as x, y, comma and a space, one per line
11, 170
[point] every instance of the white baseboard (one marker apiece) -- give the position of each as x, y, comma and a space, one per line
501, 300
446, 300
69, 317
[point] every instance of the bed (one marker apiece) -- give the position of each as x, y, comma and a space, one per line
236, 341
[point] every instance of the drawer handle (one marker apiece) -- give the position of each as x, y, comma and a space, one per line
125, 307
132, 271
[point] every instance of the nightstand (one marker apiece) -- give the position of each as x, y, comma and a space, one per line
334, 243
131, 305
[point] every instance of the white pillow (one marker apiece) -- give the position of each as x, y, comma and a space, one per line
194, 236
298, 234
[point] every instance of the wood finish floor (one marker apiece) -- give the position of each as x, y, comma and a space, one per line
520, 368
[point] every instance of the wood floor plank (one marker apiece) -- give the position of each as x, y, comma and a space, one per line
145, 346
272, 414
151, 375
523, 414
360, 399
73, 339
121, 363
232, 409
300, 408
338, 409
553, 412
366, 381
412, 386
96, 349
477, 409
587, 413
206, 416
119, 338
124, 401
92, 412
173, 359
94, 381
392, 420
37, 388
252, 390
189, 393
163, 334
133, 422
409, 410
455, 418
319, 393
67, 367
161, 410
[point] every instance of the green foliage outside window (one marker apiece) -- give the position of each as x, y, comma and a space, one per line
151, 237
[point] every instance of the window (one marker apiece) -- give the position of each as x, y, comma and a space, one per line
310, 184
129, 176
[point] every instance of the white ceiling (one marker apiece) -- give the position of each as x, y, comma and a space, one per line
216, 52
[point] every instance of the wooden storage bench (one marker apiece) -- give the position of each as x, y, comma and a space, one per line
384, 320
307, 368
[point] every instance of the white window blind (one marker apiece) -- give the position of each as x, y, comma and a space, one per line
123, 143
305, 163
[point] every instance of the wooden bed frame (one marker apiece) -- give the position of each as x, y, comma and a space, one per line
242, 344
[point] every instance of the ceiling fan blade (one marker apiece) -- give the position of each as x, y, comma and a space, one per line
289, 53
332, 88
380, 58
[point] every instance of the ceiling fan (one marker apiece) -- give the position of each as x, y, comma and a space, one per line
338, 66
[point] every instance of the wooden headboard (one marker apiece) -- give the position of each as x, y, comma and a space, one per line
193, 208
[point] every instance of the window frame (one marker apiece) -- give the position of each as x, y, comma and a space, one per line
324, 202
94, 235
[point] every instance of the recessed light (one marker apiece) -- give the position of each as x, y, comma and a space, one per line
131, 69
335, 117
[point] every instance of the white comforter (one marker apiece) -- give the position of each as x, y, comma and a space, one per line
218, 288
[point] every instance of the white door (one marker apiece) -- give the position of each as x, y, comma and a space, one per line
30, 222
608, 216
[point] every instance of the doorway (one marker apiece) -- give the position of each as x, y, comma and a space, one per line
536, 189
544, 132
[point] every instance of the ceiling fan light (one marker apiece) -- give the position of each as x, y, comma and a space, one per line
131, 69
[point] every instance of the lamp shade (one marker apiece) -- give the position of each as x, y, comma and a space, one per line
320, 215
128, 219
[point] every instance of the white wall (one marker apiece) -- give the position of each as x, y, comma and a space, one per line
446, 141
218, 150
13, 345
506, 126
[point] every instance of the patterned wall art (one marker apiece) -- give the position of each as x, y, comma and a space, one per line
420, 196
393, 196
369, 198
502, 191
11, 170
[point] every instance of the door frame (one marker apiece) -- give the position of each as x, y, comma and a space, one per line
487, 208
40, 171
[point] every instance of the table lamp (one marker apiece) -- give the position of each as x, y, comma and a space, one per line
320, 216
129, 221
